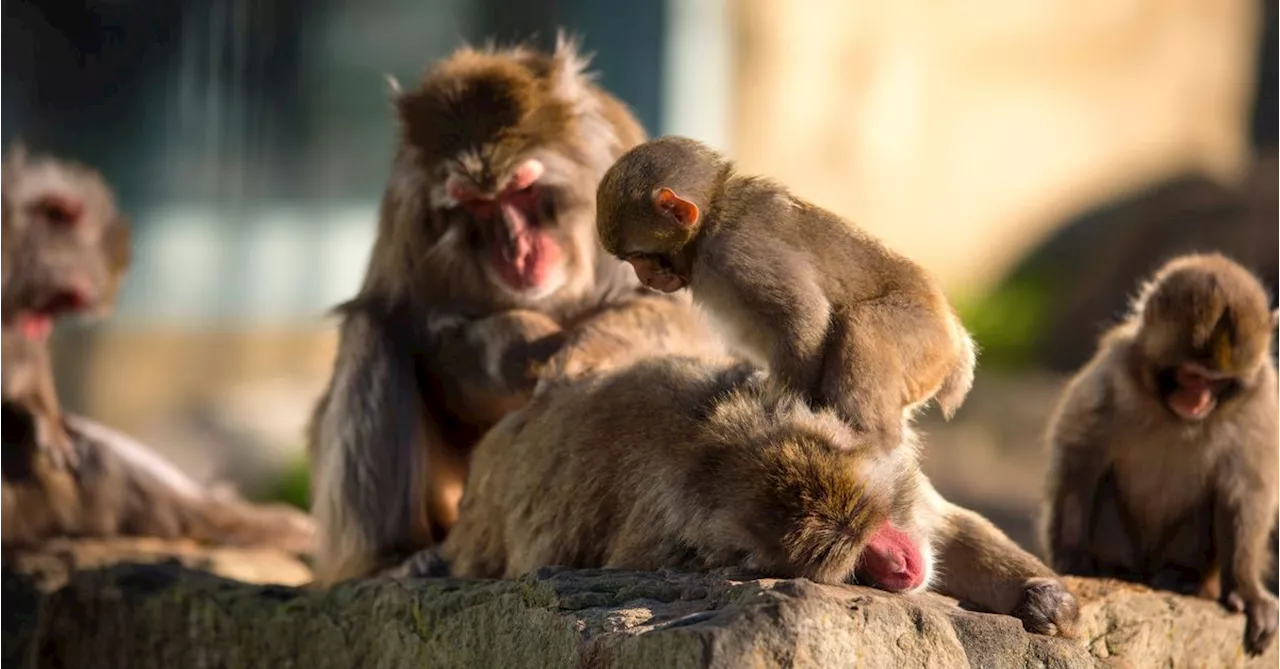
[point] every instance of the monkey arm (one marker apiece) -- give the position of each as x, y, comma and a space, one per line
780, 309
368, 454
980, 564
1244, 512
630, 330
486, 368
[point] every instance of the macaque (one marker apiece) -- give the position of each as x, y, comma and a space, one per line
832, 312
1164, 445
486, 278
65, 251
704, 464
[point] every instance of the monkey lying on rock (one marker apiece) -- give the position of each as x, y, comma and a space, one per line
699, 464
65, 250
1165, 448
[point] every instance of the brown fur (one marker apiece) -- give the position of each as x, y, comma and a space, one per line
831, 311
701, 464
435, 349
103, 484
1138, 492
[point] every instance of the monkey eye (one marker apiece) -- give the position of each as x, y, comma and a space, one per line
60, 210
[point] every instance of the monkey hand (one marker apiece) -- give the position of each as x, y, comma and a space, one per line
1261, 615
1048, 608
587, 353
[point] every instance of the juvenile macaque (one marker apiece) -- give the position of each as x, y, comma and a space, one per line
1165, 444
485, 277
833, 313
698, 464
65, 250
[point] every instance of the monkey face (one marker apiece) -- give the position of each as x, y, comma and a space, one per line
66, 247
656, 272
1192, 392
1205, 332
893, 560
515, 228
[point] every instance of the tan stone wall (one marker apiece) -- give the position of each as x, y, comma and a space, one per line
960, 132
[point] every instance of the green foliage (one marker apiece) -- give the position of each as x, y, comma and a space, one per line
1007, 323
294, 487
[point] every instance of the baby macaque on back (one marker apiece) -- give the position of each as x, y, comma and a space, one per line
834, 314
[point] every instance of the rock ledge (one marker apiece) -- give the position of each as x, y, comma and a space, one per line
165, 615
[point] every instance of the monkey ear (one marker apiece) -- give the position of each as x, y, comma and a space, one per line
1275, 319
678, 209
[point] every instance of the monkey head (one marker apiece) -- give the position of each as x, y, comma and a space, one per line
814, 501
66, 247
507, 147
650, 207
1204, 333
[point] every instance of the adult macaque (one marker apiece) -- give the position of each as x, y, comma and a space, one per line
485, 274
699, 464
1165, 444
831, 311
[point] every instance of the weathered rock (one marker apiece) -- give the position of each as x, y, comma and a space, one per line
166, 616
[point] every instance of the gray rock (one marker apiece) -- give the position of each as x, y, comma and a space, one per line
164, 615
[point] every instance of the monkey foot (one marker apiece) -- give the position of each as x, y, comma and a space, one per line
1048, 608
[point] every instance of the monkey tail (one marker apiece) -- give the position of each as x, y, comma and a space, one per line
955, 388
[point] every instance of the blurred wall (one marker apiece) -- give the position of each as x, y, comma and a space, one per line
960, 132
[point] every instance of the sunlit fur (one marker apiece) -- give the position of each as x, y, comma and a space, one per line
1139, 491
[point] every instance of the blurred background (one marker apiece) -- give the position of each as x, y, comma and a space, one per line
1038, 157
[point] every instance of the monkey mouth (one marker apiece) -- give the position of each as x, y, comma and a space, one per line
37, 323
523, 254
1192, 392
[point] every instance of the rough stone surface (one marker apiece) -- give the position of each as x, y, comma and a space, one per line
164, 615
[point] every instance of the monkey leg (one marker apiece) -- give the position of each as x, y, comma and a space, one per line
980, 564
1243, 513
863, 379
369, 454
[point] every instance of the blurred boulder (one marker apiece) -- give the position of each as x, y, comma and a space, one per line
1084, 276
